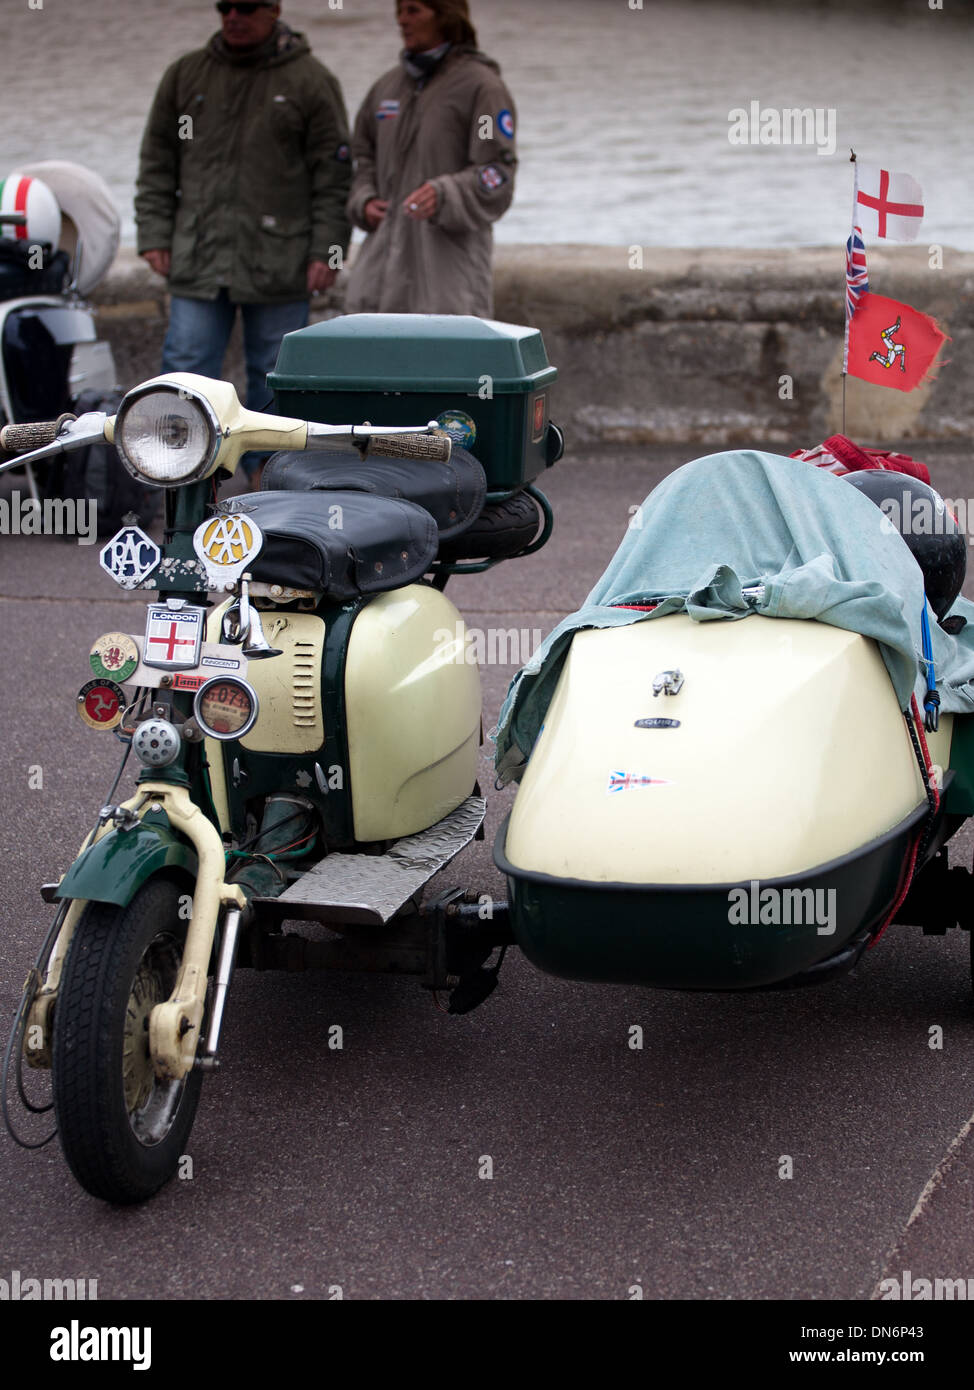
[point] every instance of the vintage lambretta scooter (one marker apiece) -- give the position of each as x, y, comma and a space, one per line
309, 740
717, 805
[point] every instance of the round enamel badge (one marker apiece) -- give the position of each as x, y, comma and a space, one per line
101, 704
114, 656
460, 426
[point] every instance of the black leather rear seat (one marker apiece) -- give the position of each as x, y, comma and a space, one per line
453, 492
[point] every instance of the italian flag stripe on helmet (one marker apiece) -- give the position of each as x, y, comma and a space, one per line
13, 198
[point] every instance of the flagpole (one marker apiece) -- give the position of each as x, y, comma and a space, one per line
848, 316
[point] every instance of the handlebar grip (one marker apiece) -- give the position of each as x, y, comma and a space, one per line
21, 439
435, 447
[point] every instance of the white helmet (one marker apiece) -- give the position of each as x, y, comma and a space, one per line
22, 194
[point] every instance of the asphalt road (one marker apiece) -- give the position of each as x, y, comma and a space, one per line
314, 1169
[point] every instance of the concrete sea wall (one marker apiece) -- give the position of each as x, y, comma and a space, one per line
708, 347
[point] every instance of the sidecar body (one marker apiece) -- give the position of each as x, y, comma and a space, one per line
718, 797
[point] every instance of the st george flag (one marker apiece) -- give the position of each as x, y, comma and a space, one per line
891, 344
888, 205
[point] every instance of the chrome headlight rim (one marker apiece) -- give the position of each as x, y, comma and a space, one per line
212, 421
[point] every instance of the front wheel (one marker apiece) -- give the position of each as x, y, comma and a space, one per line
122, 1129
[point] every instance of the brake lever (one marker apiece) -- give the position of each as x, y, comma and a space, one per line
87, 429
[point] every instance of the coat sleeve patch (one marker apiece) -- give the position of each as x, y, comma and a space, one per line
505, 124
491, 177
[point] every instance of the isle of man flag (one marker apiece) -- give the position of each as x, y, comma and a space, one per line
891, 344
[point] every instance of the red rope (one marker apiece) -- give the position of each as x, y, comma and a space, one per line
918, 725
907, 879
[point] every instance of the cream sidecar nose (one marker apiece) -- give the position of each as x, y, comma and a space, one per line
784, 749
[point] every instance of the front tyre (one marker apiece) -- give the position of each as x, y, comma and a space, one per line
121, 1128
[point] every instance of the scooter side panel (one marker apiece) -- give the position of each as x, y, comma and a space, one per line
784, 749
289, 686
412, 701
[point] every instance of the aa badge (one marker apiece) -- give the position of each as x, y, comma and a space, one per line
114, 656
101, 704
225, 546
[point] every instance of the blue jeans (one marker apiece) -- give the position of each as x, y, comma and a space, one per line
199, 331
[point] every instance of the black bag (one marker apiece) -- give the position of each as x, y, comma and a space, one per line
97, 472
21, 276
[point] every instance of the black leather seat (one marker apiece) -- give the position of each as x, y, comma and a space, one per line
339, 543
453, 492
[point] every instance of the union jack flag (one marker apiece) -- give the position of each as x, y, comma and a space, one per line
624, 781
856, 279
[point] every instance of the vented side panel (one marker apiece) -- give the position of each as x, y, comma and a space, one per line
289, 686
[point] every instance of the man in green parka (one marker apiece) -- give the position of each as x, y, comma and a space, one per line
243, 177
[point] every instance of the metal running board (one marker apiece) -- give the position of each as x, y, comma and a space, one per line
368, 890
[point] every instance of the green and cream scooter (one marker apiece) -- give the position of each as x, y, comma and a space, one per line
303, 710
307, 725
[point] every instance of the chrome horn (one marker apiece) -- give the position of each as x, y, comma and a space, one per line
242, 626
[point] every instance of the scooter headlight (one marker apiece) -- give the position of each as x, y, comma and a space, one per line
166, 435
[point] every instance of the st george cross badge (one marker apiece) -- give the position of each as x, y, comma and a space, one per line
173, 636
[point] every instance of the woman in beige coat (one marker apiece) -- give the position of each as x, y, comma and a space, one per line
434, 159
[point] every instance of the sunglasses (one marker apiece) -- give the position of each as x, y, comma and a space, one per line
244, 7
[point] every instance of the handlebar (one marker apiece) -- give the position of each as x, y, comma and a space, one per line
21, 439
435, 447
247, 429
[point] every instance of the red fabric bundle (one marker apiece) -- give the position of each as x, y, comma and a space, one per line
839, 455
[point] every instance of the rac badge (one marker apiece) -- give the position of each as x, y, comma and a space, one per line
225, 546
130, 557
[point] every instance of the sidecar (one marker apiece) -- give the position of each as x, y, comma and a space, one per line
725, 783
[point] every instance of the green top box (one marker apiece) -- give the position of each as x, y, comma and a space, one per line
407, 369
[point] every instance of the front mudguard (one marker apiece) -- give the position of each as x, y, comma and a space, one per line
114, 868
111, 870
174, 833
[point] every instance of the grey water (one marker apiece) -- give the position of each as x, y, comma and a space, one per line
624, 108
